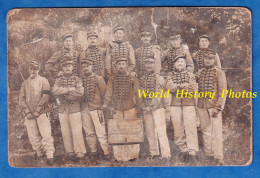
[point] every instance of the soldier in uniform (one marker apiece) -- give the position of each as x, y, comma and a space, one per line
119, 49
154, 112
120, 94
95, 54
69, 90
33, 100
182, 110
147, 50
92, 116
212, 79
177, 49
199, 56
53, 65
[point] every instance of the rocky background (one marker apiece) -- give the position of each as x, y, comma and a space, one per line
36, 33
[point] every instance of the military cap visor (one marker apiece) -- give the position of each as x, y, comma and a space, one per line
178, 57
35, 64
118, 28
86, 62
175, 37
145, 33
121, 59
67, 36
205, 36
92, 34
66, 62
149, 60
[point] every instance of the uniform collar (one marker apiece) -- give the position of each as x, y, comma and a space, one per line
147, 45
67, 75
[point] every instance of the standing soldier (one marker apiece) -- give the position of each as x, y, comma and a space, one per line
212, 79
147, 50
153, 108
69, 91
33, 100
53, 65
177, 49
119, 49
182, 110
203, 51
120, 94
92, 115
95, 54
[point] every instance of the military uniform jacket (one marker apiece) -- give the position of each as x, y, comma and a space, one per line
174, 80
144, 52
34, 95
199, 58
70, 99
170, 54
97, 56
117, 50
154, 83
53, 65
94, 91
121, 92
212, 80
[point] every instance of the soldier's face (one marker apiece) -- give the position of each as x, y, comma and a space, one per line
119, 35
176, 43
86, 68
146, 39
121, 66
180, 64
204, 43
209, 60
67, 68
68, 43
92, 40
149, 66
33, 71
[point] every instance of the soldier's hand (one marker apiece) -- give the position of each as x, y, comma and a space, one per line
108, 73
215, 112
29, 116
185, 85
133, 74
71, 89
59, 73
104, 106
36, 114
147, 110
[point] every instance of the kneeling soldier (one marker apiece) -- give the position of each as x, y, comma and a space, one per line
69, 90
33, 100
154, 113
212, 79
92, 116
182, 110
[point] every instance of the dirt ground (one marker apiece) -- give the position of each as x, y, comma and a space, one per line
236, 131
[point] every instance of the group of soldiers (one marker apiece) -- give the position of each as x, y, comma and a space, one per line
87, 85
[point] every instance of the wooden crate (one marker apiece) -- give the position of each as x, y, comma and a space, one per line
122, 131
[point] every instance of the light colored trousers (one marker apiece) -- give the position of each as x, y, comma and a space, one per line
71, 129
212, 132
94, 129
39, 133
184, 121
155, 127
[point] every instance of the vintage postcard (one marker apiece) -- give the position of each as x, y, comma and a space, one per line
131, 87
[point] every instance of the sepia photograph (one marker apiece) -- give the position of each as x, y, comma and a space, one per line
129, 87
